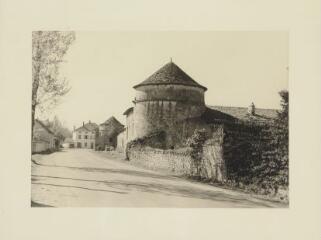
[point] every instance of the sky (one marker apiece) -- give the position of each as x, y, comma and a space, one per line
237, 68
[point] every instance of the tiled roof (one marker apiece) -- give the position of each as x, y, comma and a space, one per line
82, 128
91, 126
170, 74
44, 126
88, 127
112, 121
238, 113
110, 128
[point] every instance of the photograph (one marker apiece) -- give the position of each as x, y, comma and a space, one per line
160, 119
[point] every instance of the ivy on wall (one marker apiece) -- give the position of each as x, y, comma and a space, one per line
196, 143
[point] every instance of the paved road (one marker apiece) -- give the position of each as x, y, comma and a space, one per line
84, 178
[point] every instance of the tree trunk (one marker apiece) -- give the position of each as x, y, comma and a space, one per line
35, 86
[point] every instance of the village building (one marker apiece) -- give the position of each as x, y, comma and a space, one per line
43, 138
85, 136
108, 131
172, 103
128, 132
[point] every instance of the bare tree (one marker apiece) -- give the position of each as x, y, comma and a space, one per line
48, 50
60, 130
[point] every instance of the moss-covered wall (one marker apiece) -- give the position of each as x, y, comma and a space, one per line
180, 161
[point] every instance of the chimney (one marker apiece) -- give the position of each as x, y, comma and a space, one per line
89, 121
83, 124
251, 109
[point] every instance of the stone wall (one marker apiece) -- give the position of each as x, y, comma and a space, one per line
170, 92
235, 153
177, 162
180, 161
161, 107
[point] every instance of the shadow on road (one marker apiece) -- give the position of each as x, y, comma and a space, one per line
108, 170
167, 189
71, 186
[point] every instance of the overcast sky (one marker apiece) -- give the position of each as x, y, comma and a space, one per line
237, 68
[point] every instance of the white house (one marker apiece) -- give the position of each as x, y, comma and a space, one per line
85, 136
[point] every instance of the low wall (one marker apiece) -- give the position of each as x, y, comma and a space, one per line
179, 161
176, 162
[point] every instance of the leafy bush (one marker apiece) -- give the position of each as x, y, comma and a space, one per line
196, 142
257, 154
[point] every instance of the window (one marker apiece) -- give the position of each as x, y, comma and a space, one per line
79, 136
85, 144
86, 137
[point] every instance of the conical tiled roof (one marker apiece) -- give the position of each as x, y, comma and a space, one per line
170, 74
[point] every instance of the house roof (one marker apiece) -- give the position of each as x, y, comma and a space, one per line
112, 121
110, 128
44, 126
238, 113
91, 126
170, 74
88, 127
128, 111
82, 128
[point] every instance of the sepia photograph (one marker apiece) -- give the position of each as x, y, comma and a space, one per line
160, 119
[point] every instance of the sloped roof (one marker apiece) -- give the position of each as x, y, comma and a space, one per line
170, 74
44, 126
88, 127
112, 121
82, 128
238, 113
110, 128
91, 126
128, 111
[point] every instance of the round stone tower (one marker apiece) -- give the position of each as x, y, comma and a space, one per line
166, 99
